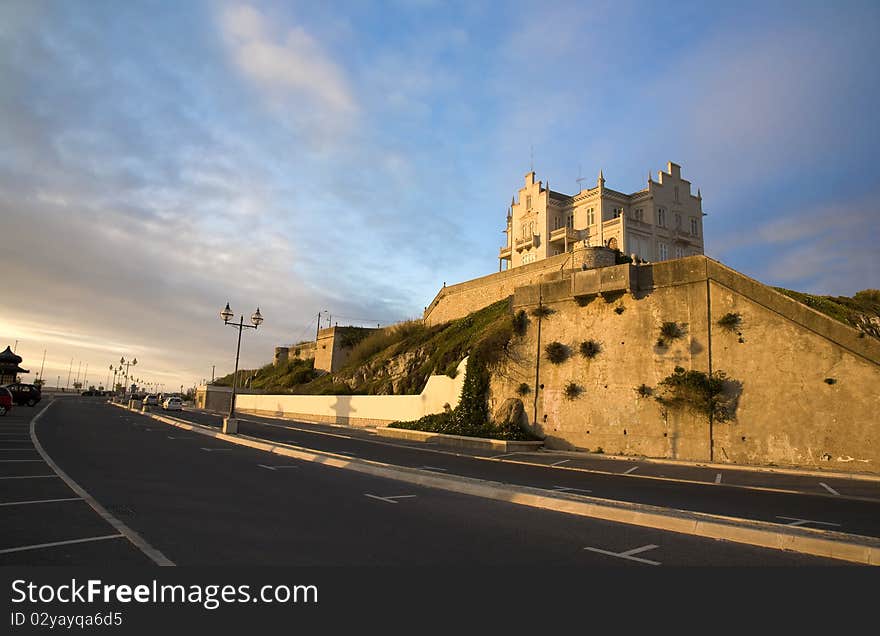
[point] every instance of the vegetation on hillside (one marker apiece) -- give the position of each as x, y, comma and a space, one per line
862, 311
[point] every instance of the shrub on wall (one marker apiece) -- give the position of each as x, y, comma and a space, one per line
572, 391
520, 322
669, 331
730, 321
590, 348
542, 311
523, 389
556, 352
644, 390
699, 393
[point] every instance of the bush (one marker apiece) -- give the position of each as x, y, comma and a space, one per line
523, 389
542, 311
698, 392
619, 309
557, 352
572, 391
644, 390
669, 331
520, 322
590, 348
730, 322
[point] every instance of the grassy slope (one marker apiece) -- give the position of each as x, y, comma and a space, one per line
370, 370
862, 311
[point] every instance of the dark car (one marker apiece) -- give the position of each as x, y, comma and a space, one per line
5, 401
28, 394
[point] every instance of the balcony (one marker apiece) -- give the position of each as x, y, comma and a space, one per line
505, 252
563, 234
680, 236
527, 242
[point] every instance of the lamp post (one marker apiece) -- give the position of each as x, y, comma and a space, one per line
230, 424
113, 388
126, 364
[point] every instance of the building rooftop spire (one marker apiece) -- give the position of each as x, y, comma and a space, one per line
601, 181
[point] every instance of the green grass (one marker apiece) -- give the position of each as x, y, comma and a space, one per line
862, 311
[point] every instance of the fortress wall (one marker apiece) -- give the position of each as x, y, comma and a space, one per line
786, 413
457, 301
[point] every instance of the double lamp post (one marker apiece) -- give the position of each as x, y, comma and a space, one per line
230, 423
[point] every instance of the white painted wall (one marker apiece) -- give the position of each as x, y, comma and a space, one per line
438, 391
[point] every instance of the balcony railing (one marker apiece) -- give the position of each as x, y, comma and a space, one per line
525, 243
505, 252
564, 233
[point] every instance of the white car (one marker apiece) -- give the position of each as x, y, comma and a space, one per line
173, 404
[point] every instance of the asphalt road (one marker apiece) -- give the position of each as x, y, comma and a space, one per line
776, 498
198, 500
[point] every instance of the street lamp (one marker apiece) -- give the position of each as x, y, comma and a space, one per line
127, 364
230, 424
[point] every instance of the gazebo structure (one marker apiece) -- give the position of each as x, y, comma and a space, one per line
9, 368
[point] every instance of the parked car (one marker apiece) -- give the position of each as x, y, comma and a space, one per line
173, 404
151, 400
5, 400
28, 394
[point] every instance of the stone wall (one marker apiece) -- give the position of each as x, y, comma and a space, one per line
802, 383
457, 301
335, 344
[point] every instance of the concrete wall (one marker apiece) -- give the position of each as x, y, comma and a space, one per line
334, 346
360, 410
782, 353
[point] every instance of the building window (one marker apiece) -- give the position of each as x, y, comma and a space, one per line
529, 202
678, 252
591, 217
661, 217
677, 221
618, 212
639, 214
569, 221
676, 194
695, 230
662, 251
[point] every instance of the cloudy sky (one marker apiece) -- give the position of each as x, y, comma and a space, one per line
160, 158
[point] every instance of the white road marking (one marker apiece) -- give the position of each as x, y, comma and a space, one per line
505, 455
829, 488
629, 554
718, 478
800, 522
31, 450
567, 489
275, 467
442, 470
36, 501
560, 462
627, 472
18, 461
30, 477
216, 450
55, 543
389, 499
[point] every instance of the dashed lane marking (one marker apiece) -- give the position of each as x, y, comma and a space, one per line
30, 477
216, 450
38, 501
718, 478
38, 546
560, 462
275, 467
829, 488
568, 489
442, 470
18, 461
389, 499
627, 472
802, 522
629, 553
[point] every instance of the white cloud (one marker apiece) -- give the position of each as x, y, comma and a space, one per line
299, 80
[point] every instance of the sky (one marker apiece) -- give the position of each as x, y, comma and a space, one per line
158, 159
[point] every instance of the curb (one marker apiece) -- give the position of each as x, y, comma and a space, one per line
814, 542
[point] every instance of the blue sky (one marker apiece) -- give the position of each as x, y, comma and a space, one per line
159, 158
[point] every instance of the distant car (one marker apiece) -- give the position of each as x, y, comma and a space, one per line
28, 394
5, 400
173, 404
151, 400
